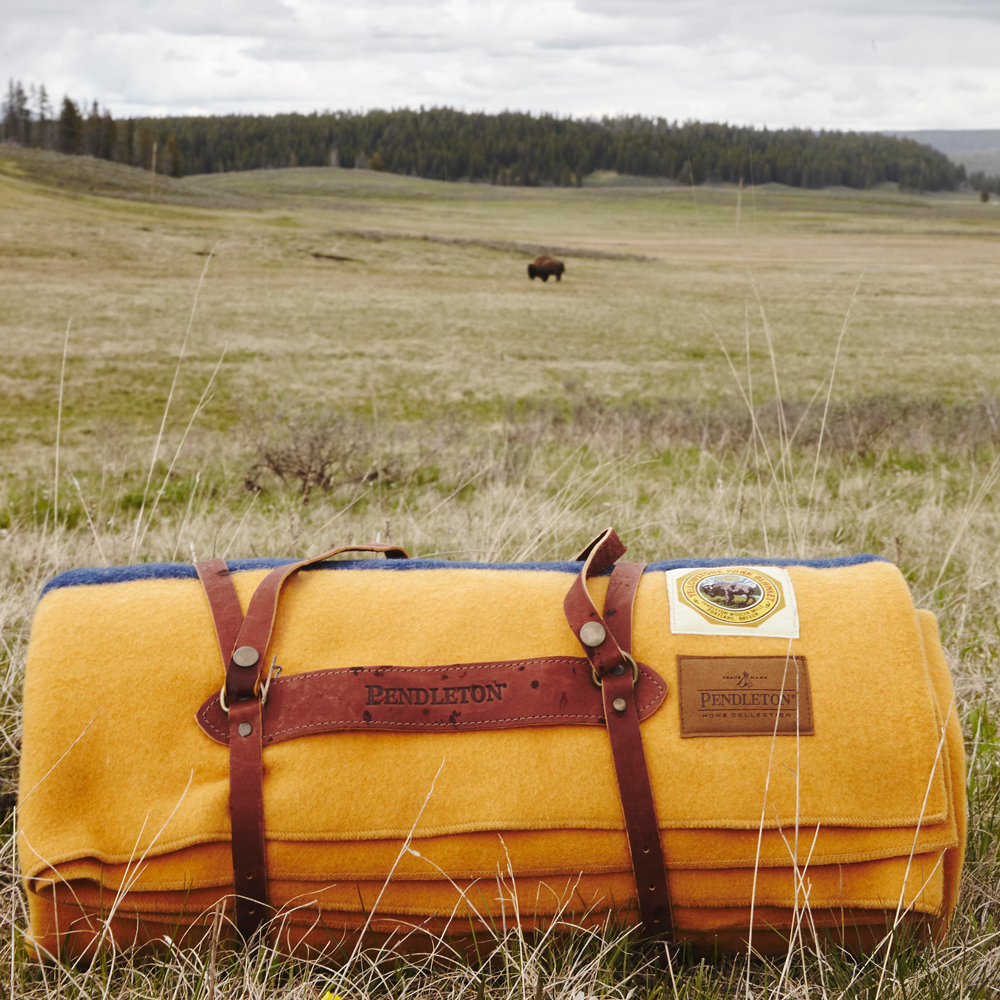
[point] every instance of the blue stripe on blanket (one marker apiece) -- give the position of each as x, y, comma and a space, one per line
185, 571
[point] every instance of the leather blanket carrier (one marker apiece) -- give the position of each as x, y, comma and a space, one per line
403, 746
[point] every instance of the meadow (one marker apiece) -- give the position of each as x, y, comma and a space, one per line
276, 362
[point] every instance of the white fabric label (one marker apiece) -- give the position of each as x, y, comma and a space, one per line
733, 600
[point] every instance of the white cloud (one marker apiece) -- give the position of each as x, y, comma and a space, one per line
840, 64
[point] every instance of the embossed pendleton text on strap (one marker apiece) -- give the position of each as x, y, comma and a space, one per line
547, 691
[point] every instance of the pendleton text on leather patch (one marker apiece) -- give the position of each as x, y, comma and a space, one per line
744, 696
733, 600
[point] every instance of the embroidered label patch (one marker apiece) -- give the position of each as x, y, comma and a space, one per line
732, 600
744, 696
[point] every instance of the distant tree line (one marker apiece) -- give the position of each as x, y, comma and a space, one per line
508, 148
980, 181
29, 120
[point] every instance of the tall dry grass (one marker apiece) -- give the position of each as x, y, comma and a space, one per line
912, 480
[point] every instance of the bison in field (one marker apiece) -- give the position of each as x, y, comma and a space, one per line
545, 267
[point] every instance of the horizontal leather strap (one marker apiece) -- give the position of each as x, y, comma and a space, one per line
547, 691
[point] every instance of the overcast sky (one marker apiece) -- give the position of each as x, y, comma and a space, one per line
835, 64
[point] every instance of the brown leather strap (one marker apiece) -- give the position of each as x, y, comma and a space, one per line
244, 730
618, 602
227, 614
612, 663
246, 811
255, 633
245, 724
545, 691
591, 545
638, 808
580, 610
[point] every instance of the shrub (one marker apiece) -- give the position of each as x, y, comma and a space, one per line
311, 450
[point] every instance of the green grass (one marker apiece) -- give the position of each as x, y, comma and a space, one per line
474, 413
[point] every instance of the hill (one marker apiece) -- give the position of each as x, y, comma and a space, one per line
953, 142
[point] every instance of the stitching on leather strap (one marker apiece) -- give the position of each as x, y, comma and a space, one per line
337, 699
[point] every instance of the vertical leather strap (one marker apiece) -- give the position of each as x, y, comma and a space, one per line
246, 811
243, 642
246, 766
227, 614
612, 662
619, 600
634, 787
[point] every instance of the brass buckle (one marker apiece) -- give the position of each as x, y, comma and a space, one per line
273, 671
596, 677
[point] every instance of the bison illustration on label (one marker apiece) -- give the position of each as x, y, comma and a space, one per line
737, 596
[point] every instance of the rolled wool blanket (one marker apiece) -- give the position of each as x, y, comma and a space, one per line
435, 753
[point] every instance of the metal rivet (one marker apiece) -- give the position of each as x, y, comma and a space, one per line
619, 670
619, 705
245, 656
246, 729
592, 634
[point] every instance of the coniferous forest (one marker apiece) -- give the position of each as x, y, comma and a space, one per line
507, 148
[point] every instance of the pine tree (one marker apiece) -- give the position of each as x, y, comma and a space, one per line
70, 128
44, 119
172, 162
126, 149
107, 144
145, 146
16, 115
92, 132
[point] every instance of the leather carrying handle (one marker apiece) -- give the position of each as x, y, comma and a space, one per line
604, 551
255, 632
591, 545
608, 660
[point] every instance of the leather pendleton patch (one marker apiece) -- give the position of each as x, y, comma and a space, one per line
744, 696
547, 691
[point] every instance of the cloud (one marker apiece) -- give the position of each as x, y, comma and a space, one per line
839, 64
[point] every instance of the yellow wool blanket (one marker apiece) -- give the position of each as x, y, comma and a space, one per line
123, 813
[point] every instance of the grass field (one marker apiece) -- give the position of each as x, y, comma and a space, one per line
349, 355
